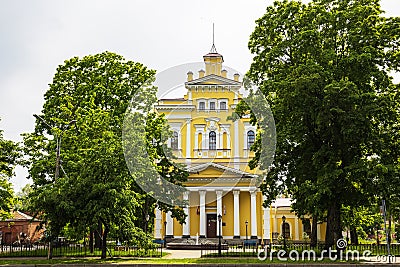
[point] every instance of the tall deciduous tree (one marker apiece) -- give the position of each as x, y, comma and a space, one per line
324, 67
95, 189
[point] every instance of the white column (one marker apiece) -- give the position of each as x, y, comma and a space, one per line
219, 143
219, 210
186, 225
236, 218
170, 225
202, 213
296, 228
157, 226
253, 213
188, 135
236, 145
267, 223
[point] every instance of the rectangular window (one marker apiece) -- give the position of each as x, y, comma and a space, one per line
212, 105
202, 106
222, 106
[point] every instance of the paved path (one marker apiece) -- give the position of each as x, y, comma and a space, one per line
182, 254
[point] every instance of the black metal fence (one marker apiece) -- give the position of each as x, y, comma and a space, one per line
79, 250
253, 249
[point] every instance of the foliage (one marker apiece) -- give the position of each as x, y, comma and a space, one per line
9, 158
324, 68
94, 186
22, 199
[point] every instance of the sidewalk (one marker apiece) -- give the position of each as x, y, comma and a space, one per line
182, 254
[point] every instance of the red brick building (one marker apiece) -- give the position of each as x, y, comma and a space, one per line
21, 227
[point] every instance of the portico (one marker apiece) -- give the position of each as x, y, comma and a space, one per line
206, 203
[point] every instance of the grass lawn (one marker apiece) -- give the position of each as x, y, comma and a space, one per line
5, 261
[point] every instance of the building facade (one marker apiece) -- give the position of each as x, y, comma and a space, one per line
216, 149
20, 228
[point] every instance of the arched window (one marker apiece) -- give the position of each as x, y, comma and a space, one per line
285, 230
250, 138
174, 141
212, 140
222, 106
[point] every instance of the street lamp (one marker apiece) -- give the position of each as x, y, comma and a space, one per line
146, 223
219, 235
247, 223
284, 231
165, 233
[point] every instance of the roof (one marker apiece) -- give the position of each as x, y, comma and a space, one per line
202, 167
221, 80
213, 55
172, 99
20, 216
282, 202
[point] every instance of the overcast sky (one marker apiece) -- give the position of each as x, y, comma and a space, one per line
37, 36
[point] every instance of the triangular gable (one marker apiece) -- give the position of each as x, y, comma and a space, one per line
215, 80
223, 169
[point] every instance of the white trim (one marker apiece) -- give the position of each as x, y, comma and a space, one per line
157, 226
188, 137
266, 222
236, 209
186, 209
170, 224
253, 213
219, 194
203, 220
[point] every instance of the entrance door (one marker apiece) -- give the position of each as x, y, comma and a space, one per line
211, 225
7, 238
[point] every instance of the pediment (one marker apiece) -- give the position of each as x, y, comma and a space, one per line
211, 168
213, 79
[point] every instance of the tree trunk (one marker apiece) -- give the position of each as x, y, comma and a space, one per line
333, 225
353, 236
91, 237
97, 236
104, 242
314, 229
390, 229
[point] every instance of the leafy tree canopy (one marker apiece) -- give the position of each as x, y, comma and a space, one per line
325, 70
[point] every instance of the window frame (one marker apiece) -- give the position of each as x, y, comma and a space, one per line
212, 140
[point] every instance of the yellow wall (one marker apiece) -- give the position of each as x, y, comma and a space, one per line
228, 217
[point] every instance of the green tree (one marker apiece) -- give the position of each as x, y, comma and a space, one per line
324, 68
22, 199
94, 190
9, 156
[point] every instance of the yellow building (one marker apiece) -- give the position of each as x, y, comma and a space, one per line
216, 150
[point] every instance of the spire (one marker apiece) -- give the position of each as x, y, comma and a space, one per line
213, 60
213, 49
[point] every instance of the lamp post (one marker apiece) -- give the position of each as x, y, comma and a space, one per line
146, 223
219, 234
58, 163
165, 233
284, 231
247, 224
